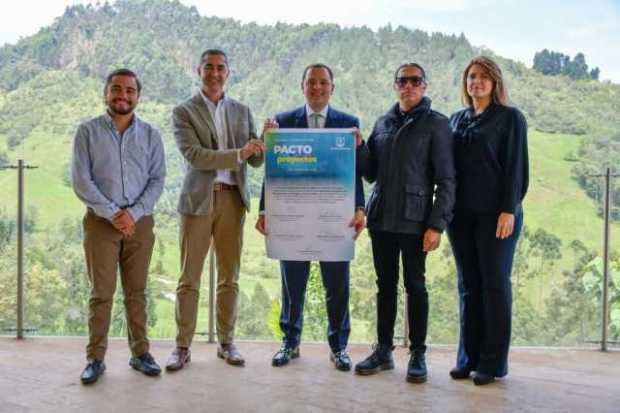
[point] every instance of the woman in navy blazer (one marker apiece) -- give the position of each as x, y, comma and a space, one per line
490, 144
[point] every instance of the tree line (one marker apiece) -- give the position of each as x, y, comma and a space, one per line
553, 63
59, 72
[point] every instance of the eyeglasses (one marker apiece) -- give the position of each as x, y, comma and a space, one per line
415, 81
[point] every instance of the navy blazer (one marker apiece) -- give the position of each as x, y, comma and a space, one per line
297, 119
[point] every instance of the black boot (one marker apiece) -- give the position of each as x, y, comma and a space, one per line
416, 371
380, 359
480, 379
460, 373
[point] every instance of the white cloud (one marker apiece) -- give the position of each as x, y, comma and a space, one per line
512, 29
24, 18
439, 5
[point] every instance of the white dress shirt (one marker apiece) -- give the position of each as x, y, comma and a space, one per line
322, 117
218, 114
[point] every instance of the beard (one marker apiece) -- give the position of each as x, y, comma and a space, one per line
121, 110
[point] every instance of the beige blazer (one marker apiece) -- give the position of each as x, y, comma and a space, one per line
194, 132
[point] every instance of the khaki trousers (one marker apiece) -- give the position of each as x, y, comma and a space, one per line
224, 224
106, 252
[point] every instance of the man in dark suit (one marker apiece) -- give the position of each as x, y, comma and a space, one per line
317, 85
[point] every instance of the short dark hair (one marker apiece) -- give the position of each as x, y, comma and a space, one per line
121, 72
213, 52
317, 66
416, 65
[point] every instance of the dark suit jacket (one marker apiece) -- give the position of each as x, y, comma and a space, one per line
297, 119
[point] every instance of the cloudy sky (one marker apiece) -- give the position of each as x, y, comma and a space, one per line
514, 29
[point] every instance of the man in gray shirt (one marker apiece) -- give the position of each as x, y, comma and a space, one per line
118, 171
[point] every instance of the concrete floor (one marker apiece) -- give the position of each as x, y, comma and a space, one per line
42, 375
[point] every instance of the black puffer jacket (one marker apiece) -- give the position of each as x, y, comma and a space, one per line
409, 157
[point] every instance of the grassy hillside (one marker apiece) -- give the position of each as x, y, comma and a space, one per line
51, 81
554, 202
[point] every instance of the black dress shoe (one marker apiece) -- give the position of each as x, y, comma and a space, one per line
460, 373
146, 364
93, 370
380, 359
341, 360
416, 370
480, 379
284, 355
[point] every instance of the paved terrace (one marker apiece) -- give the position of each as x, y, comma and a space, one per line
42, 375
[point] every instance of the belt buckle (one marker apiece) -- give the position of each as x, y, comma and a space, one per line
222, 186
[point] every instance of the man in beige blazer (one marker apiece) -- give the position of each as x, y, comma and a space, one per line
217, 137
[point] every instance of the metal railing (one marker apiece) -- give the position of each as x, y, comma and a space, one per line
20, 304
211, 333
606, 244
21, 166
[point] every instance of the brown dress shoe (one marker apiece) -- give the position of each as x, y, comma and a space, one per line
230, 354
178, 358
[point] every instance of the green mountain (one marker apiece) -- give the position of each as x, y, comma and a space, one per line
162, 40
53, 80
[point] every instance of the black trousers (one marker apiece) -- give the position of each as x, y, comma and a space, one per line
484, 266
386, 249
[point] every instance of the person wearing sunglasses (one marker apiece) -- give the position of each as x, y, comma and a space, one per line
490, 142
409, 159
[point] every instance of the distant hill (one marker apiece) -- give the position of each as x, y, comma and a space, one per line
52, 81
162, 40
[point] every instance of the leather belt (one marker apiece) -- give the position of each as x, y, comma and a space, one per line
220, 186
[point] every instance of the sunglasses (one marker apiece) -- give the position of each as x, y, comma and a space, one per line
402, 81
